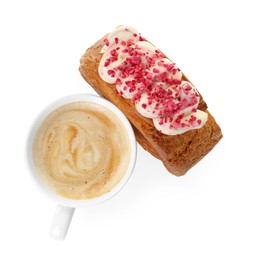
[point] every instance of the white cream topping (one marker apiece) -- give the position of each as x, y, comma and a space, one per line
152, 81
166, 129
123, 33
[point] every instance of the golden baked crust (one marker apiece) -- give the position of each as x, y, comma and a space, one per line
178, 153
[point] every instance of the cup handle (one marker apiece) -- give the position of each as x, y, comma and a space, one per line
61, 222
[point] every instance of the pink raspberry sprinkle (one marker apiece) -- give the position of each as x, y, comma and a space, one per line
111, 73
155, 70
118, 81
106, 42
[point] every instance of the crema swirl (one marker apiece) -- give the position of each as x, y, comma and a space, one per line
81, 150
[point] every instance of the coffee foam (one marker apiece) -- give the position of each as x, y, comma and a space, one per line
81, 150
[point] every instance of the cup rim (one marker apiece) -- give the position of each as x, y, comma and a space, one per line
32, 133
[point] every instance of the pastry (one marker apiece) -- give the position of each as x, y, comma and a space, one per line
168, 114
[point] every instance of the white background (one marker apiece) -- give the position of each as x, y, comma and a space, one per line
206, 214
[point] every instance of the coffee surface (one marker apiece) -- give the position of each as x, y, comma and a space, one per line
81, 150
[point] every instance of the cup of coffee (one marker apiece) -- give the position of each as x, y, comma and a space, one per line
81, 151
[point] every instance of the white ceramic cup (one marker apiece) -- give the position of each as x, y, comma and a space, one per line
66, 207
